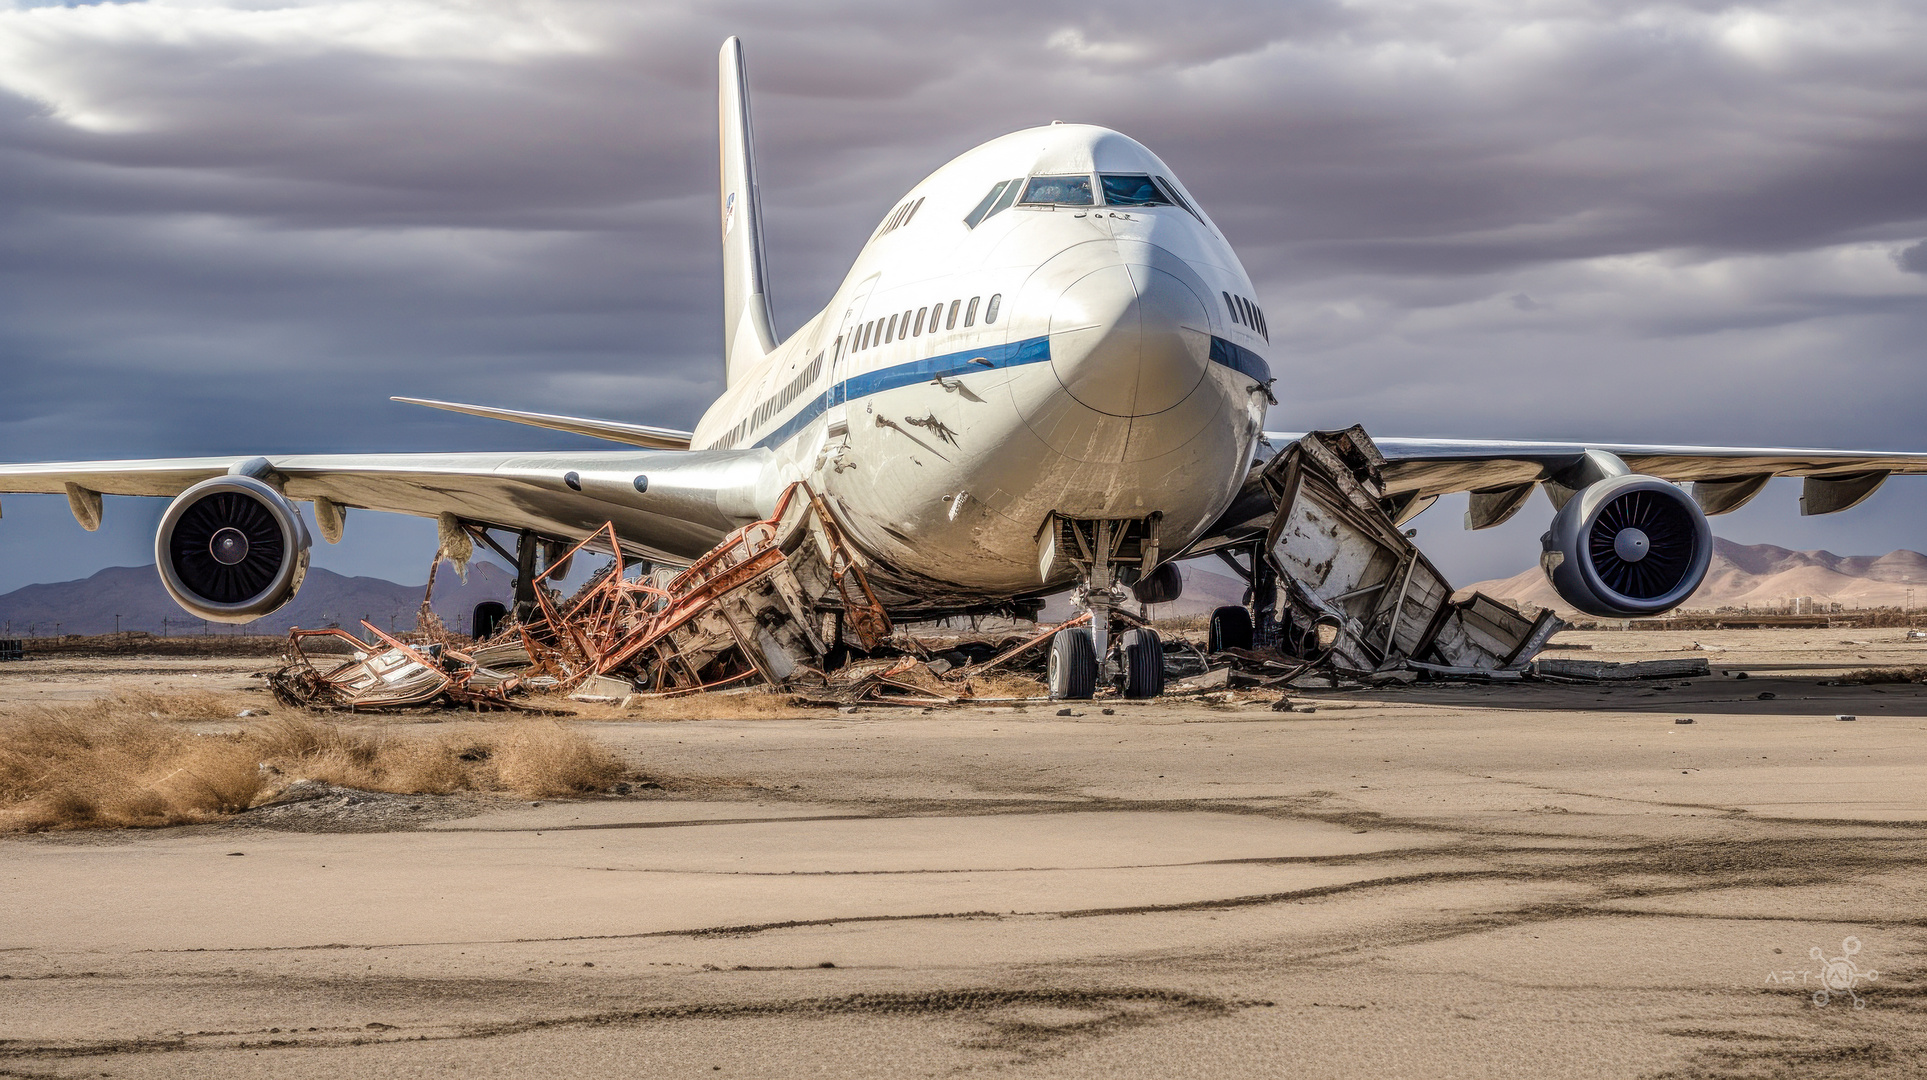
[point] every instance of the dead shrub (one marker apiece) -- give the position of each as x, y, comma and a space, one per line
541, 758
128, 762
1914, 674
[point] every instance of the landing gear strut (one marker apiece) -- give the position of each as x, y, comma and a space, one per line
1081, 658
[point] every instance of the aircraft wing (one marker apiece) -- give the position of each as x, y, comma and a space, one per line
677, 504
1440, 466
1500, 474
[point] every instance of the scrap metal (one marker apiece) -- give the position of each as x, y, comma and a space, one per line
1350, 590
396, 675
767, 603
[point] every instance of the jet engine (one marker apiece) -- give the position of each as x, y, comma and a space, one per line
1627, 546
231, 549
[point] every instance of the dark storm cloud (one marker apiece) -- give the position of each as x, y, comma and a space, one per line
225, 229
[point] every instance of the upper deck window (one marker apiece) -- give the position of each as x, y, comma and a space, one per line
1132, 189
1058, 191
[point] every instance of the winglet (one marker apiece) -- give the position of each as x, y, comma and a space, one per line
747, 333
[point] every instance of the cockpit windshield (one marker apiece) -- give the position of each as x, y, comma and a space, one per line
1132, 189
1058, 191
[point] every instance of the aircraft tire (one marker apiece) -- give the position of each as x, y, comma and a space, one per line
1143, 664
1230, 629
1073, 665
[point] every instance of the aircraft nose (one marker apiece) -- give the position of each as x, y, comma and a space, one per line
1129, 340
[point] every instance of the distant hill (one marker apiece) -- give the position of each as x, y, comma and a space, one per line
88, 606
1765, 576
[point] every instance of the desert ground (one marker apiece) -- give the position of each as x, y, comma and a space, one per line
1429, 881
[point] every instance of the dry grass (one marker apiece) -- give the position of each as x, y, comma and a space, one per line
127, 761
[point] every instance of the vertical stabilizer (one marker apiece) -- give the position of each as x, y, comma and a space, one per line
747, 335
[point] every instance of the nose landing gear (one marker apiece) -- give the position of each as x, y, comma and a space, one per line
1082, 657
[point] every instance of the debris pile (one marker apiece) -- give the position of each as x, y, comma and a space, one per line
395, 675
1347, 590
1338, 592
770, 604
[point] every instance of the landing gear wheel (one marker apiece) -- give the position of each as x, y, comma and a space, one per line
1073, 665
1230, 629
1143, 663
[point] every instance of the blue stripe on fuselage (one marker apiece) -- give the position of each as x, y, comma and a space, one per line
1239, 358
1029, 351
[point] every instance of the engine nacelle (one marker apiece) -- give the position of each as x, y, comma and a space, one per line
231, 549
1627, 546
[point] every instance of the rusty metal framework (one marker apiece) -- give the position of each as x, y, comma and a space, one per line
764, 603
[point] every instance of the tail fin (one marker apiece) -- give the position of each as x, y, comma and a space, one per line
747, 335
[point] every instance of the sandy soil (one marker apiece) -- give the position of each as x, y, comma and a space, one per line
1530, 881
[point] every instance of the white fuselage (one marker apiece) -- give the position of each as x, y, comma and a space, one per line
1097, 361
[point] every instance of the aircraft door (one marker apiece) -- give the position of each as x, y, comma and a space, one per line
842, 364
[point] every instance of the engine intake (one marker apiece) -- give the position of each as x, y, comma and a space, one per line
1627, 546
231, 549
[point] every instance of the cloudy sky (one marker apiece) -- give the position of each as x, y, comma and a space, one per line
238, 227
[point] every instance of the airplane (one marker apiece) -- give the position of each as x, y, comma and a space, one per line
1045, 368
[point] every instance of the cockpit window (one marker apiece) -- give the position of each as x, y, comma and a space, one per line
982, 209
1131, 189
1058, 191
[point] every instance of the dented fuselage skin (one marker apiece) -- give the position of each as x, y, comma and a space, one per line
1111, 383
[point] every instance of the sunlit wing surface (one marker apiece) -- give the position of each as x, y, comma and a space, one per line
676, 504
1441, 466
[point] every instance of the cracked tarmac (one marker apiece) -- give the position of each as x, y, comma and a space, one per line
1529, 881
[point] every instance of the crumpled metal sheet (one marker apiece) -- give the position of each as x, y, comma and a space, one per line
1357, 593
391, 675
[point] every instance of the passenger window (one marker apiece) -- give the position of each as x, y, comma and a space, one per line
1131, 189
863, 335
1057, 191
970, 313
951, 322
904, 330
936, 315
914, 207
982, 209
920, 314
990, 309
1230, 307
890, 332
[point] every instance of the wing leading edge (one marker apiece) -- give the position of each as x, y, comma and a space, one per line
677, 504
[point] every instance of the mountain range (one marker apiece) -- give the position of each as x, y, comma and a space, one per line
134, 593
1760, 576
1765, 577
